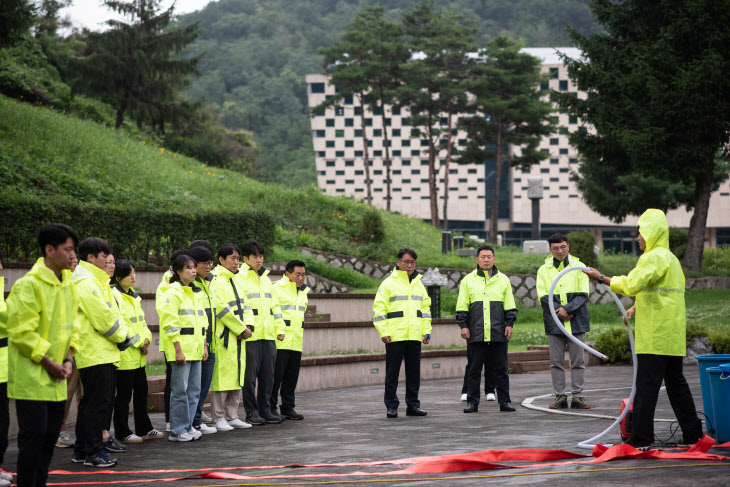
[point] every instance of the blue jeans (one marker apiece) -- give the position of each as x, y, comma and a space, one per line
206, 377
184, 396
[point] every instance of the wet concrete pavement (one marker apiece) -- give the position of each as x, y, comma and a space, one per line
349, 425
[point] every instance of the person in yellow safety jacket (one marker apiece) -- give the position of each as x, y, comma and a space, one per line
184, 323
402, 316
232, 315
570, 300
657, 281
268, 326
162, 341
4, 407
291, 292
104, 333
486, 313
131, 374
43, 335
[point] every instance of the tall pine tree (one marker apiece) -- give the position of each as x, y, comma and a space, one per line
137, 66
659, 106
512, 117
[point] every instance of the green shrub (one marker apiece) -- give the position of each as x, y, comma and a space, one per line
581, 245
695, 330
720, 340
372, 229
678, 241
133, 232
614, 343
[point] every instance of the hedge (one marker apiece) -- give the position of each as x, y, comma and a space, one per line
133, 232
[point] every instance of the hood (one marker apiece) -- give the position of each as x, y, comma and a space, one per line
655, 230
42, 272
89, 271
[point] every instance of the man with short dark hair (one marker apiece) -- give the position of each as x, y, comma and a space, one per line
571, 305
43, 335
402, 316
268, 326
103, 335
486, 313
291, 293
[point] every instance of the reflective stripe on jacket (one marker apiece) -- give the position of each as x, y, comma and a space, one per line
257, 288
101, 326
486, 306
42, 320
402, 308
3, 333
183, 320
571, 293
293, 302
232, 315
130, 307
657, 281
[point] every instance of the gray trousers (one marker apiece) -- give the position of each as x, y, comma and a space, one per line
260, 362
577, 364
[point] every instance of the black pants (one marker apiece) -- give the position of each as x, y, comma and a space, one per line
95, 408
131, 383
286, 375
651, 370
494, 356
4, 420
488, 376
39, 423
168, 388
395, 353
260, 363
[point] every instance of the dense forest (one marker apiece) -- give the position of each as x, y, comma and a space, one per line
255, 54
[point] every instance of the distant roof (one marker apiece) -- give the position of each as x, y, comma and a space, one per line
549, 55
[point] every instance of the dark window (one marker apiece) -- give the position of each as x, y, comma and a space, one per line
518, 180
349, 163
453, 171
554, 161
572, 119
349, 143
348, 99
405, 143
339, 173
462, 180
378, 190
339, 153
572, 196
377, 132
368, 122
358, 132
378, 172
424, 162
416, 189
544, 86
545, 170
330, 181
424, 180
359, 172
396, 171
563, 152
377, 153
563, 85
473, 188
358, 110
359, 190
573, 160
316, 87
396, 133
563, 187
330, 163
396, 153
319, 133
405, 121
349, 181
554, 141
424, 143
340, 190
563, 169
472, 171
378, 111
415, 152
397, 190
349, 122
554, 73
415, 171
339, 111
330, 143
321, 153
554, 180
395, 110
406, 181
339, 133
444, 121
330, 122
405, 163
358, 153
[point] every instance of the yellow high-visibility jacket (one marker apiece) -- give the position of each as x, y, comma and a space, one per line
3, 333
206, 297
486, 306
183, 320
42, 320
101, 326
257, 287
293, 302
164, 285
232, 315
402, 308
130, 307
657, 281
571, 293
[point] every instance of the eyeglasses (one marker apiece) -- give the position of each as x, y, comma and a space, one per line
562, 247
408, 262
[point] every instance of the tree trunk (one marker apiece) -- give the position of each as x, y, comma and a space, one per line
433, 190
366, 157
446, 177
387, 151
698, 223
494, 218
120, 114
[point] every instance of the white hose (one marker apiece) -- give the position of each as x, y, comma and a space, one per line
589, 444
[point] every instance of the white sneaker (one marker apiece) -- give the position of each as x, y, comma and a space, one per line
205, 429
5, 483
195, 433
238, 424
5, 476
181, 437
131, 439
222, 425
167, 427
463, 397
205, 418
491, 397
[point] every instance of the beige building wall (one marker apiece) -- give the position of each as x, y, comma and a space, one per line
340, 169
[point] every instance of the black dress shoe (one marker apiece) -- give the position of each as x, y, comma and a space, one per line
506, 406
271, 418
291, 414
471, 408
415, 412
392, 413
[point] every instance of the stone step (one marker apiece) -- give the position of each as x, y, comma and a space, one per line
530, 355
317, 318
525, 367
538, 347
